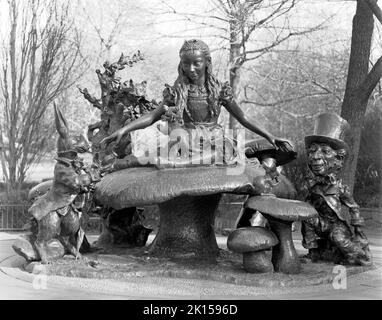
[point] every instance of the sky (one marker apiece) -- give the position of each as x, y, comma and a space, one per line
147, 28
160, 36
306, 14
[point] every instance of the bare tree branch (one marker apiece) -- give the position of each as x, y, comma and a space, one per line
284, 100
39, 64
315, 82
255, 25
278, 41
375, 8
371, 80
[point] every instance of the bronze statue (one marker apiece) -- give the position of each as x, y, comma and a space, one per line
56, 224
194, 104
335, 234
188, 196
120, 103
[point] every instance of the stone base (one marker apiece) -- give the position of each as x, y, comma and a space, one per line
124, 264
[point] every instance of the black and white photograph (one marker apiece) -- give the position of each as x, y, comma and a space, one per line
199, 153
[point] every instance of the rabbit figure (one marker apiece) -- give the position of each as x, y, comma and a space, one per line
58, 212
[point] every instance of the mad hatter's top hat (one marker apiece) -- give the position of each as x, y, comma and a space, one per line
329, 128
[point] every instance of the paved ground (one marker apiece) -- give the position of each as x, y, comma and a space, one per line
16, 284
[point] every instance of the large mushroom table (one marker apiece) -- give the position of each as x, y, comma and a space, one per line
187, 199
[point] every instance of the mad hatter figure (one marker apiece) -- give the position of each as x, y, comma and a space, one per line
336, 233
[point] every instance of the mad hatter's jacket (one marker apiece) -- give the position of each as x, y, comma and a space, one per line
335, 195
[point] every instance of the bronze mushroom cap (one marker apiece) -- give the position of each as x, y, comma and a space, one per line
262, 149
251, 239
147, 186
282, 209
253, 242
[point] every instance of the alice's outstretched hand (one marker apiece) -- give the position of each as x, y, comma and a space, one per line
117, 136
282, 144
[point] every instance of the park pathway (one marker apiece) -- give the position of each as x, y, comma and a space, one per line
17, 284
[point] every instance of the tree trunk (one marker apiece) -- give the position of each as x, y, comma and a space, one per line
234, 70
12, 133
354, 103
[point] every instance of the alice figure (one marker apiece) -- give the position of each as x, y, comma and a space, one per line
193, 106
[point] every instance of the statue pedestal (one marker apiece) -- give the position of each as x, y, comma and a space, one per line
135, 265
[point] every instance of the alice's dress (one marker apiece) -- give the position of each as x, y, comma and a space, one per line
196, 138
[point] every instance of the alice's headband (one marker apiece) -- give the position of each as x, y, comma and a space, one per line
194, 45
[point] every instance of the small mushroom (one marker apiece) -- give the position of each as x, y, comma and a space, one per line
253, 242
281, 213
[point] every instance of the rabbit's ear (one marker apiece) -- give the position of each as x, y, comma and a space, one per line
61, 124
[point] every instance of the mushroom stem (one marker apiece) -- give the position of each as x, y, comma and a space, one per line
187, 227
257, 262
284, 255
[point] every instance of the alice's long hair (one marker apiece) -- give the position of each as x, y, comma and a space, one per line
182, 83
